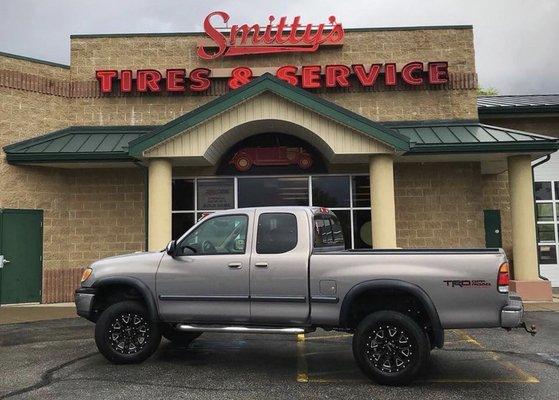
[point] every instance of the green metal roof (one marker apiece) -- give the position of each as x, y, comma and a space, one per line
78, 143
269, 83
471, 137
112, 143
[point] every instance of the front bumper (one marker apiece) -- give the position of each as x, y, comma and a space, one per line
513, 312
84, 301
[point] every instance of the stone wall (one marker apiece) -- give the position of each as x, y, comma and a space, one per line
544, 125
439, 205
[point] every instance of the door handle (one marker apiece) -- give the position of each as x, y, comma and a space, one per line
261, 265
3, 261
236, 265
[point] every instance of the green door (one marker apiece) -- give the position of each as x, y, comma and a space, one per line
492, 222
21, 245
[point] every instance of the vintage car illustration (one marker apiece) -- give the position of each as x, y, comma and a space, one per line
244, 159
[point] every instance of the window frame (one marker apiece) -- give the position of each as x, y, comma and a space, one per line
554, 202
206, 220
276, 213
351, 209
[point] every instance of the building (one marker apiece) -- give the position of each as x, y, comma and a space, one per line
538, 114
142, 134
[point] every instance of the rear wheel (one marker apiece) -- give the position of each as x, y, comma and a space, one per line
125, 334
390, 347
178, 338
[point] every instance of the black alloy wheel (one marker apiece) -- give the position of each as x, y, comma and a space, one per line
125, 334
390, 347
128, 333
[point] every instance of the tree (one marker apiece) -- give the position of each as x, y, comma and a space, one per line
490, 91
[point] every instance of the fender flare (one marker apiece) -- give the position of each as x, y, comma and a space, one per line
410, 288
136, 284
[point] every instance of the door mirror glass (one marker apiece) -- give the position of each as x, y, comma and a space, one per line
171, 248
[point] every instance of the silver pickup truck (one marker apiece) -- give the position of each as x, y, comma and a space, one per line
286, 270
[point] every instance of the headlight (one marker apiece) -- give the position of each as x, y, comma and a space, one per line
86, 274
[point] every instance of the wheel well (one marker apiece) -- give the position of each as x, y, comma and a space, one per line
107, 295
392, 299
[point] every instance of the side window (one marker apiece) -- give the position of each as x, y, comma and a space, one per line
277, 233
219, 235
327, 231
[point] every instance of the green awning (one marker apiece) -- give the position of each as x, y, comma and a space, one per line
77, 144
471, 137
111, 143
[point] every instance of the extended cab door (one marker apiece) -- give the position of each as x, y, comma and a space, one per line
208, 279
279, 268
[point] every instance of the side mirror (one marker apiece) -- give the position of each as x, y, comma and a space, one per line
171, 248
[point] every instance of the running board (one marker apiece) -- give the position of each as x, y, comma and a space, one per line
237, 329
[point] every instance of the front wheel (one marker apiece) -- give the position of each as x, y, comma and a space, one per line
390, 347
125, 334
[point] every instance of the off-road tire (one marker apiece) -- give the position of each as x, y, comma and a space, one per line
125, 333
400, 344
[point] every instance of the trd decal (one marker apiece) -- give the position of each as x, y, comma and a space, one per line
468, 283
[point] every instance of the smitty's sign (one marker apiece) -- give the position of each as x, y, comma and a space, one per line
279, 38
243, 40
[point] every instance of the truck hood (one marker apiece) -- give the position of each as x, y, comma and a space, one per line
132, 265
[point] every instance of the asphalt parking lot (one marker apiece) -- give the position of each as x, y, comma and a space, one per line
59, 360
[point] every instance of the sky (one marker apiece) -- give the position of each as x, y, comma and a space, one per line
516, 41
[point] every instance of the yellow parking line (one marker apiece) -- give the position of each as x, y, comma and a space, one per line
345, 335
302, 368
303, 373
525, 377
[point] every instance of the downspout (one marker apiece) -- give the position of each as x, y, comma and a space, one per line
146, 202
546, 159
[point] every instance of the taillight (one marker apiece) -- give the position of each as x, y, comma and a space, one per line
503, 278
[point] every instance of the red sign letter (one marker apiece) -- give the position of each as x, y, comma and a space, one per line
336, 75
438, 72
175, 80
199, 79
408, 73
105, 78
215, 35
288, 73
310, 78
390, 74
126, 81
366, 79
148, 79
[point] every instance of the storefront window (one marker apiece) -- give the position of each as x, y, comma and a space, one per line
361, 191
545, 211
183, 194
216, 194
362, 233
542, 190
330, 191
547, 254
546, 232
181, 222
261, 192
194, 198
344, 217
